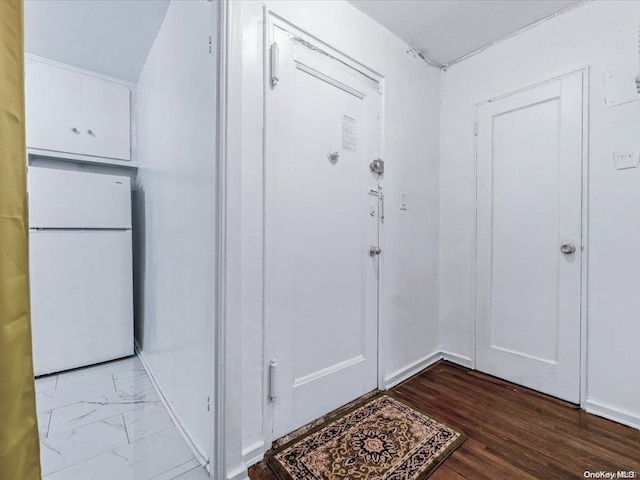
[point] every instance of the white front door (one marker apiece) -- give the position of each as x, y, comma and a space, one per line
321, 220
529, 178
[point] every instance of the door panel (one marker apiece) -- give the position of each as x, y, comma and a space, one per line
529, 204
527, 247
53, 107
327, 209
321, 219
106, 119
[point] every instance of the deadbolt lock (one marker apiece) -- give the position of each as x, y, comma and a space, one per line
377, 165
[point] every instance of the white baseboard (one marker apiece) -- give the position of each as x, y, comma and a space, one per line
457, 359
239, 474
253, 454
607, 411
409, 371
197, 451
179, 470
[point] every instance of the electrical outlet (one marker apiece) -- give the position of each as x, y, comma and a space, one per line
626, 158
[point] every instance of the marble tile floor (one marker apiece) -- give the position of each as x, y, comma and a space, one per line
106, 422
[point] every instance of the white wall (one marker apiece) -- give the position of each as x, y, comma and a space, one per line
600, 35
175, 212
410, 283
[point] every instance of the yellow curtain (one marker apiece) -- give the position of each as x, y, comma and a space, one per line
19, 444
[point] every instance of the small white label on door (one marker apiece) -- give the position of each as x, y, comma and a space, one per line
349, 134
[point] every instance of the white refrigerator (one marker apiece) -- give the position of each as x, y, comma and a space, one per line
80, 268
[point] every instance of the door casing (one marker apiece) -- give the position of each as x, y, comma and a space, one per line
584, 71
273, 20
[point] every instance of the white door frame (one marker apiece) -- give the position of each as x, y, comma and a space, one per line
216, 465
584, 232
272, 19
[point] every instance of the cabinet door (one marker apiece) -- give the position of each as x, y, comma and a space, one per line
53, 108
106, 119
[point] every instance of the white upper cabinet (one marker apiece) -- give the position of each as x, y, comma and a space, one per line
71, 112
53, 108
106, 119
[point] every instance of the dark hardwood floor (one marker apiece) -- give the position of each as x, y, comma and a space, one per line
512, 432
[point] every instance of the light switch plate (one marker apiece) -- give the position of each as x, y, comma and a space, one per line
626, 158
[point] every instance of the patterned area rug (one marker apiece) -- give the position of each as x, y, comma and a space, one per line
382, 439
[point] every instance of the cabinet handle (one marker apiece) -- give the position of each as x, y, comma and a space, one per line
90, 132
75, 130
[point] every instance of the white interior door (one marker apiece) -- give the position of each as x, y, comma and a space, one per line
321, 220
529, 220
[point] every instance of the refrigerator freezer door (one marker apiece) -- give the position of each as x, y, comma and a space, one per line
81, 297
70, 199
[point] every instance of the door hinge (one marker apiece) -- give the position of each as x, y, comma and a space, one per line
475, 129
210, 43
377, 165
208, 404
275, 57
272, 380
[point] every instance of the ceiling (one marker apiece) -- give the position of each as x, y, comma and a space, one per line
445, 30
112, 37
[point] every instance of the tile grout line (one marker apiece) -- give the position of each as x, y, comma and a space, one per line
79, 462
178, 466
126, 430
113, 451
131, 403
96, 454
49, 423
178, 470
81, 370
